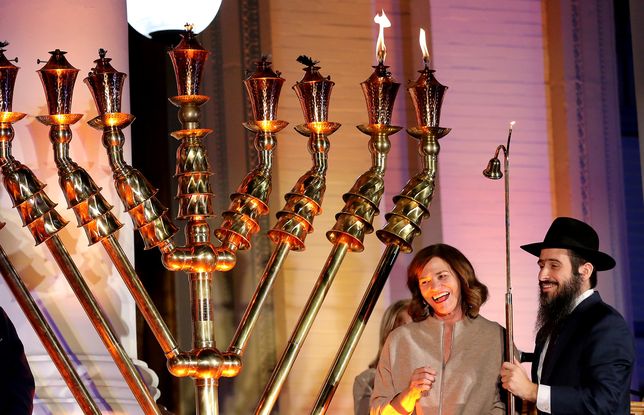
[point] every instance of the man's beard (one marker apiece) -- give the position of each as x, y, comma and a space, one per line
553, 311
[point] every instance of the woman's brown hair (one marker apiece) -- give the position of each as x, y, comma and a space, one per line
473, 291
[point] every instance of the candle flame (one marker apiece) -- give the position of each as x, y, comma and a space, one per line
512, 124
383, 21
423, 46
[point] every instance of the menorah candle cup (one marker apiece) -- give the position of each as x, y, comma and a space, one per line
380, 91
8, 73
314, 92
427, 96
263, 87
106, 85
188, 60
58, 78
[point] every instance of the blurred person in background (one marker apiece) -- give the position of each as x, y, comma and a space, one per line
395, 315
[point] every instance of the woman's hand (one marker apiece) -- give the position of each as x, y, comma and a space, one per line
420, 383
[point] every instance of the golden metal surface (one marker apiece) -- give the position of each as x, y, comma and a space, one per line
195, 132
92, 212
195, 205
314, 92
106, 85
112, 119
303, 207
380, 91
244, 329
8, 73
356, 328
180, 100
101, 227
307, 317
47, 337
188, 59
427, 96
207, 398
251, 198
319, 127
304, 200
90, 208
352, 223
35, 208
11, 117
265, 126
59, 119
136, 193
263, 87
102, 326
403, 225
145, 305
58, 78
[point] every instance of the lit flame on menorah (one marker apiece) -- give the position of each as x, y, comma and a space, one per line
200, 257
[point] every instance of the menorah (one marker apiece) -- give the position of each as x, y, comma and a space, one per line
200, 257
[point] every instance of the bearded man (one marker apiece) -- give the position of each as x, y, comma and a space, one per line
584, 350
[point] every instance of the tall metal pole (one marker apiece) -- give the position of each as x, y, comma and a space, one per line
493, 172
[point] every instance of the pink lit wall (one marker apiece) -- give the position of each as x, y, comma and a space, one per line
492, 58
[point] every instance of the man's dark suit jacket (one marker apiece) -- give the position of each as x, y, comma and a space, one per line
589, 369
16, 382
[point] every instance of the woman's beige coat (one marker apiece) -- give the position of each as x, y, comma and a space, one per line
468, 384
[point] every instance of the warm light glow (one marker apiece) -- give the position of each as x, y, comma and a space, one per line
512, 124
381, 50
423, 46
148, 16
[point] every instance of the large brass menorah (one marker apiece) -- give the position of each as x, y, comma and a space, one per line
201, 255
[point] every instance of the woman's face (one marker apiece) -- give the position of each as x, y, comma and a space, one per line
441, 288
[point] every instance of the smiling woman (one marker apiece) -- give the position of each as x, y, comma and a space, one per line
430, 365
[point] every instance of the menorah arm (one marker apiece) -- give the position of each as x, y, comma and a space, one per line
47, 337
403, 225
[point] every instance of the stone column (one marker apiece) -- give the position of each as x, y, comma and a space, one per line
79, 27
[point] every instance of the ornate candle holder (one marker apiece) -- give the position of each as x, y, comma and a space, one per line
403, 222
16, 176
148, 215
199, 257
352, 223
81, 192
38, 213
136, 194
412, 204
303, 202
361, 202
251, 198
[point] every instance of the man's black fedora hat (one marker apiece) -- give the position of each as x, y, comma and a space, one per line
578, 236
